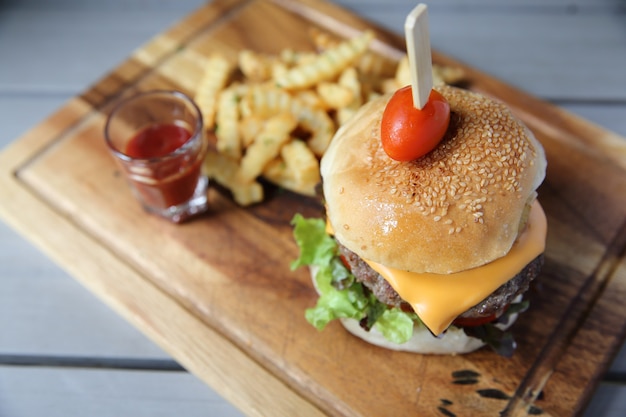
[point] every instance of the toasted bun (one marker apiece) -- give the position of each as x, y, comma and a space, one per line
457, 208
453, 341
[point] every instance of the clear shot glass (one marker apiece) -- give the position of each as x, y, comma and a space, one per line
158, 140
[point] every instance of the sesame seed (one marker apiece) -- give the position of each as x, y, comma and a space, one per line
485, 153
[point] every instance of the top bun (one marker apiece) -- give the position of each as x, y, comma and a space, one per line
456, 208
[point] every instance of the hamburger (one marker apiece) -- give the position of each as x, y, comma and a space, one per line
432, 255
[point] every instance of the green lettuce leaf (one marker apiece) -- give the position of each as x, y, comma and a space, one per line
340, 295
395, 325
316, 247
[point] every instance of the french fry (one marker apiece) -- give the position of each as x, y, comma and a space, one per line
344, 114
303, 163
321, 39
266, 102
403, 73
318, 123
441, 74
305, 58
258, 103
227, 132
256, 67
447, 75
297, 169
349, 79
249, 128
376, 67
266, 147
288, 57
372, 95
369, 63
326, 65
279, 69
389, 85
277, 173
312, 99
214, 79
334, 95
223, 170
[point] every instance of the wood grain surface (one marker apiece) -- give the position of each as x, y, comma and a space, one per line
218, 295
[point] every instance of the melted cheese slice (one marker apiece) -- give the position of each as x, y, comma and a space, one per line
438, 299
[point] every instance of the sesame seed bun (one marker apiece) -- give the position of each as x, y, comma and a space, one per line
456, 208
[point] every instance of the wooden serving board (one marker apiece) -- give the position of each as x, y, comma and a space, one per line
217, 293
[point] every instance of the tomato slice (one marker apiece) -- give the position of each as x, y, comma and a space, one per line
408, 133
345, 263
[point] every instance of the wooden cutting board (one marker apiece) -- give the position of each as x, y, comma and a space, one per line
217, 293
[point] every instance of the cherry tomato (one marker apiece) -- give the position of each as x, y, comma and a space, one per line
408, 133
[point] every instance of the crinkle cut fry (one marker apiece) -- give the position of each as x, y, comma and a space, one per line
215, 78
270, 101
326, 65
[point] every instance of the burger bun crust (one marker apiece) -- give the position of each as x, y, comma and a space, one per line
456, 208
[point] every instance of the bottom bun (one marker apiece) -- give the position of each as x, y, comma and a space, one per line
453, 341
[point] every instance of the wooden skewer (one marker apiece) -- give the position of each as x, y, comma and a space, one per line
418, 51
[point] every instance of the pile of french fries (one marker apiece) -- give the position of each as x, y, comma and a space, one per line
273, 116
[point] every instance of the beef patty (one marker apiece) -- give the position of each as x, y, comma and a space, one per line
493, 304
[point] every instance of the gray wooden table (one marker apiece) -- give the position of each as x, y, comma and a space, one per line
62, 352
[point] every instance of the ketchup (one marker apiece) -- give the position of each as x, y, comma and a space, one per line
157, 140
173, 180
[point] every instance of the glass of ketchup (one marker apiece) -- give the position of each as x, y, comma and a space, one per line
157, 138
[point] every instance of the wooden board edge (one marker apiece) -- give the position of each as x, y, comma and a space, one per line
41, 136
613, 267
562, 354
200, 349
540, 115
533, 110
608, 144
151, 53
